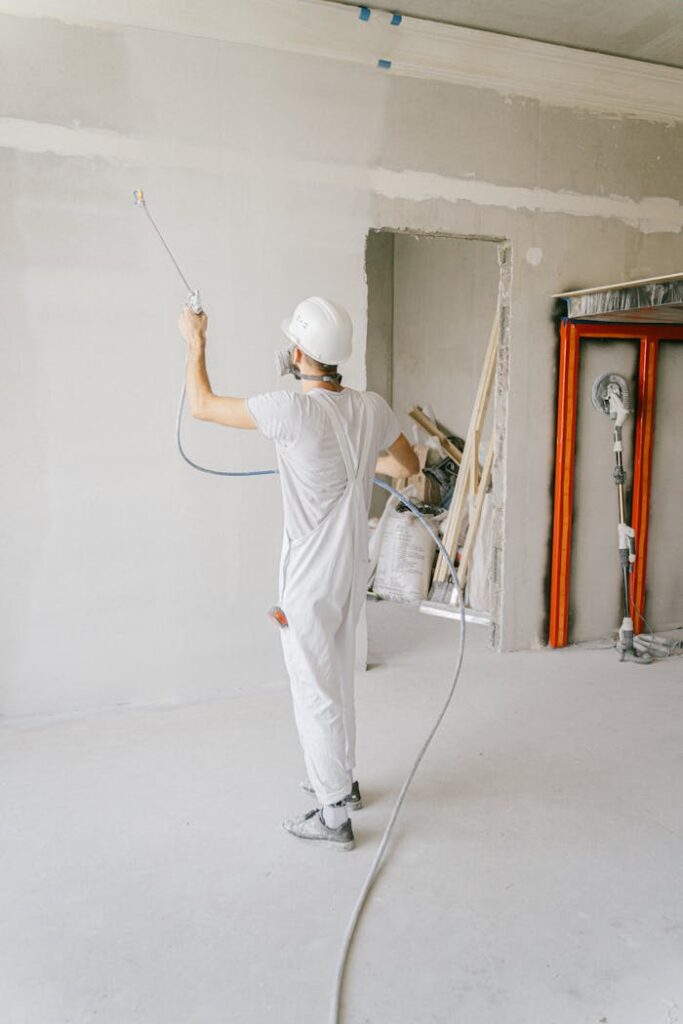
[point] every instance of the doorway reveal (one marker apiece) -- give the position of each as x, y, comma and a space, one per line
431, 302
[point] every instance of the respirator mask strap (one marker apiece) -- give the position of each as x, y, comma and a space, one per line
332, 378
284, 365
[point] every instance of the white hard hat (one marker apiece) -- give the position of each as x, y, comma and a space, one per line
322, 329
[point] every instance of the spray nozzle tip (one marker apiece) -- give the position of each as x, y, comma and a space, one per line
139, 197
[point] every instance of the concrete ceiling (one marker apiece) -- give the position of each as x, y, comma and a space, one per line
650, 30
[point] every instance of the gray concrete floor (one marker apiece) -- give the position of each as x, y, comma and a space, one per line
536, 874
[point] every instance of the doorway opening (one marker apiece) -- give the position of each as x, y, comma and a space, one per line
432, 302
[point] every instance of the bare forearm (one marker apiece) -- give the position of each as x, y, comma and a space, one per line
230, 412
222, 409
199, 392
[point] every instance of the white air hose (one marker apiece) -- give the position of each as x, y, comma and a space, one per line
336, 1004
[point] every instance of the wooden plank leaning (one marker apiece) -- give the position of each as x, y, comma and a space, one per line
475, 515
432, 428
468, 476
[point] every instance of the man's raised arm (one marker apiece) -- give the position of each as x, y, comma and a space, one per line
229, 412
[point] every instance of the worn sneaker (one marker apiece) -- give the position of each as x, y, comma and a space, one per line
312, 827
353, 800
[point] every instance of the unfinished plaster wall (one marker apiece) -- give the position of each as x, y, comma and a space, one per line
379, 351
431, 301
445, 295
379, 271
127, 577
664, 591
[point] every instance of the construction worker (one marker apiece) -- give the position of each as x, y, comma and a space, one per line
328, 439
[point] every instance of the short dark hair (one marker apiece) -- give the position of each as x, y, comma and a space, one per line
322, 367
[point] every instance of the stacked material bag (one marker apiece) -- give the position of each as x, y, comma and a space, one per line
406, 556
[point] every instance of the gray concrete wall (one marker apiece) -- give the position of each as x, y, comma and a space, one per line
664, 590
379, 350
126, 577
431, 301
445, 295
379, 271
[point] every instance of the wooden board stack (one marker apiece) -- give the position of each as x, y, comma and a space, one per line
470, 481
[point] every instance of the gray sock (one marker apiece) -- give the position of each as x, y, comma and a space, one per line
334, 815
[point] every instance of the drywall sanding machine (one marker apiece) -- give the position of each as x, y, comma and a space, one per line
610, 396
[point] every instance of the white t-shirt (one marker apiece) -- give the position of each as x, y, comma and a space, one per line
310, 462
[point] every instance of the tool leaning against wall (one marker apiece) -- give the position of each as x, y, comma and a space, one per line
287, 363
610, 395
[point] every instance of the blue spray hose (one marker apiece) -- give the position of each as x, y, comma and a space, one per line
336, 1003
205, 469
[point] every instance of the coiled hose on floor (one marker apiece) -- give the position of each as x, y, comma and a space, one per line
336, 1003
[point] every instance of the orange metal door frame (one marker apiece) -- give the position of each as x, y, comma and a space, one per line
571, 335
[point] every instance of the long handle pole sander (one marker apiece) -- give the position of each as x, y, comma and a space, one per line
610, 395
627, 542
626, 549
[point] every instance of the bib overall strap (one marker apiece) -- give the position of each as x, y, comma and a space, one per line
353, 472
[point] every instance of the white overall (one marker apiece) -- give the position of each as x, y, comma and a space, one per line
323, 579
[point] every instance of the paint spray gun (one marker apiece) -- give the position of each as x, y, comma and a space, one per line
193, 298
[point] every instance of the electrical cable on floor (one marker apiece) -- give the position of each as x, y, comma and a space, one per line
654, 644
657, 646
